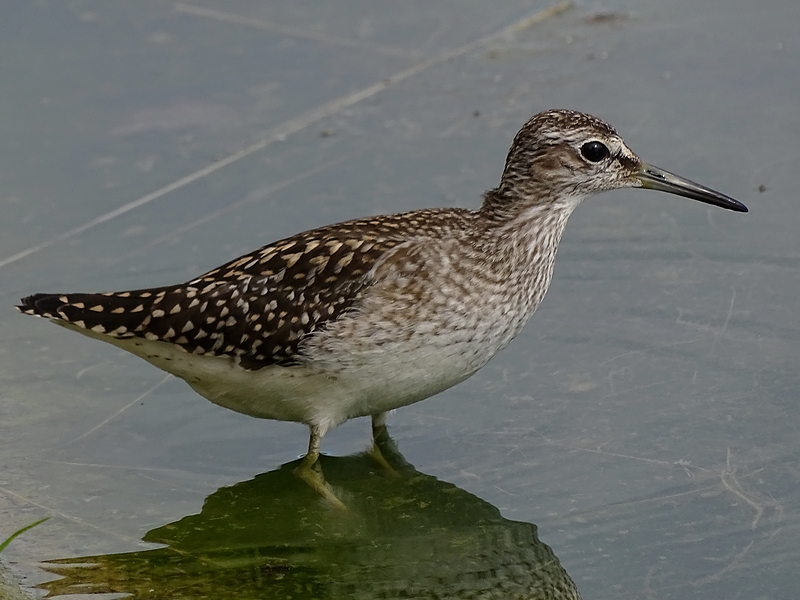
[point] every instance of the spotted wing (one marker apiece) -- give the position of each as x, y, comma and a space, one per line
257, 308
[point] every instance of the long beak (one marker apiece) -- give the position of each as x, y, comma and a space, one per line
653, 178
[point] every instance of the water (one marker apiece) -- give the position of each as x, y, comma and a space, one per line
645, 420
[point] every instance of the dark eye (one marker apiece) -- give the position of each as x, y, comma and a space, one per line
594, 151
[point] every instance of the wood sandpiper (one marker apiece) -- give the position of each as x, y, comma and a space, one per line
362, 317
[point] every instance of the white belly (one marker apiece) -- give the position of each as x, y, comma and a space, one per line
306, 394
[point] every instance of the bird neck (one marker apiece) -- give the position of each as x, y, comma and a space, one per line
517, 222
498, 205
520, 238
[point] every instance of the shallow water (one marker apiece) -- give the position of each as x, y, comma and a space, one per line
645, 420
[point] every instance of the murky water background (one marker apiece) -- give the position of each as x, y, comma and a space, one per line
645, 420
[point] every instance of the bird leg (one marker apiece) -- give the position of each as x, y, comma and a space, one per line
378, 425
380, 438
310, 471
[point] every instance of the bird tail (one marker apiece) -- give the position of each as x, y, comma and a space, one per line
119, 314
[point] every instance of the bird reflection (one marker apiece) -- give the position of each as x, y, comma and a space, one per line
405, 535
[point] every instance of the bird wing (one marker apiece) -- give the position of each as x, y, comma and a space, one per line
256, 308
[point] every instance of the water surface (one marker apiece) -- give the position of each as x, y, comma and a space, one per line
645, 420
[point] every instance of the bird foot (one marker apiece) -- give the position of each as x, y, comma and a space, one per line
377, 456
385, 453
312, 475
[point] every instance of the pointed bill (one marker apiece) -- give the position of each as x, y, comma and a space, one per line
653, 178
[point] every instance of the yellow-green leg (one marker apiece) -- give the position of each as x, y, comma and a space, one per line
380, 436
311, 472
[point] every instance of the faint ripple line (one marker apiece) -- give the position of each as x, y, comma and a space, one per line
227, 17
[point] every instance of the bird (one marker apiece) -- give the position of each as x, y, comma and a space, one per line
361, 317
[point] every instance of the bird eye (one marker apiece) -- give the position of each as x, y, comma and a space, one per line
594, 151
